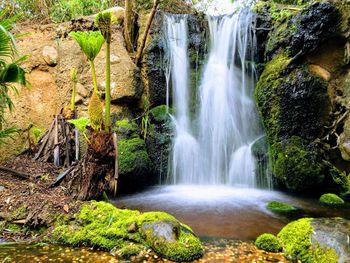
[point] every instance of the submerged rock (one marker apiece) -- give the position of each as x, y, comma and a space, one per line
317, 240
281, 208
102, 225
268, 242
331, 200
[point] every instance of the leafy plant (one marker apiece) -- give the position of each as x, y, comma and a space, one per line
6, 133
37, 133
81, 125
91, 43
11, 72
145, 123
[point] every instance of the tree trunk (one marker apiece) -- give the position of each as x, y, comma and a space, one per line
94, 174
145, 34
128, 25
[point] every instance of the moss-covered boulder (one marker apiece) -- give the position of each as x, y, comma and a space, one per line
321, 240
134, 165
268, 242
289, 100
331, 200
128, 232
281, 207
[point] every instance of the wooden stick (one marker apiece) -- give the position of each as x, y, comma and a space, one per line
65, 139
60, 177
116, 165
43, 144
56, 150
15, 173
145, 34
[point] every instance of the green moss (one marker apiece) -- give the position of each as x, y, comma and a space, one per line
160, 113
266, 95
268, 242
331, 200
133, 157
296, 240
14, 228
19, 213
299, 167
102, 225
126, 128
281, 208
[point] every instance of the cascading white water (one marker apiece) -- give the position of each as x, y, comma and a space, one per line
217, 150
185, 148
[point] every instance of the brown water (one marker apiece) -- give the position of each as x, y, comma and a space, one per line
24, 253
225, 212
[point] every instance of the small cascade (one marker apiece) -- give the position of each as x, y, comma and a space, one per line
213, 145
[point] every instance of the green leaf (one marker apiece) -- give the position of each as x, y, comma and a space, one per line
90, 42
80, 123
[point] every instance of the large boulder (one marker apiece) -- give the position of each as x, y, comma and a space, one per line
104, 226
294, 106
317, 240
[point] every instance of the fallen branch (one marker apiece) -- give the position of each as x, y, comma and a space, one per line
15, 173
60, 177
145, 34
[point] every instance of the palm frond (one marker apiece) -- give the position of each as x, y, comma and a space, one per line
7, 133
13, 73
90, 42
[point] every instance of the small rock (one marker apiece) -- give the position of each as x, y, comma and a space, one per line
78, 99
132, 228
115, 59
2, 188
82, 91
321, 72
50, 55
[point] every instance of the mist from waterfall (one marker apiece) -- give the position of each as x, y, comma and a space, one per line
213, 146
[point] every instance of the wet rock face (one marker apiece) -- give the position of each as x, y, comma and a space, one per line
304, 105
159, 141
155, 59
313, 26
333, 233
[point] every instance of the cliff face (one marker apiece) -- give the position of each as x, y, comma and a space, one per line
302, 93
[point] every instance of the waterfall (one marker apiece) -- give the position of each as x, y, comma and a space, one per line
213, 146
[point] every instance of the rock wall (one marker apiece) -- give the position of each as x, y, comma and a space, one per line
52, 54
302, 92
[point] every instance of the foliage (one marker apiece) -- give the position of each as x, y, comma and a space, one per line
145, 123
90, 42
11, 72
81, 125
331, 200
37, 133
126, 129
281, 208
7, 133
58, 11
268, 242
296, 240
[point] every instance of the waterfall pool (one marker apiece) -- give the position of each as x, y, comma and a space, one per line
223, 211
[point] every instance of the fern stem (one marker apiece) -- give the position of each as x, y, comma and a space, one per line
72, 103
94, 79
108, 88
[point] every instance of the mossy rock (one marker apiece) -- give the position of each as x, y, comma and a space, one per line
160, 114
297, 164
281, 207
268, 242
134, 165
321, 240
331, 200
102, 225
126, 129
